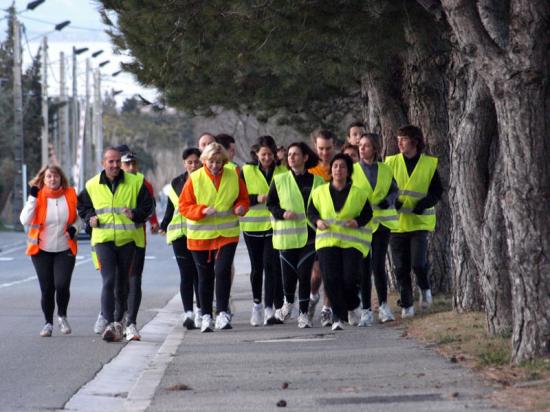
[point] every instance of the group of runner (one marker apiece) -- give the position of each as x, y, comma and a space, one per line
309, 217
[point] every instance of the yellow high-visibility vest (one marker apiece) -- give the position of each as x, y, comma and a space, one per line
178, 225
223, 222
411, 189
291, 234
337, 234
258, 217
387, 217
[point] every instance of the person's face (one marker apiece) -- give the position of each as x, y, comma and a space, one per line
191, 163
214, 164
296, 159
205, 140
130, 167
339, 170
406, 145
366, 149
325, 149
52, 180
231, 151
355, 134
281, 154
265, 157
111, 163
353, 154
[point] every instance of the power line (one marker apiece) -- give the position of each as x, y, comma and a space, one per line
54, 23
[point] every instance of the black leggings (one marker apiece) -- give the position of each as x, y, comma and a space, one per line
375, 264
189, 278
340, 270
214, 265
54, 271
296, 266
134, 295
264, 258
410, 249
116, 264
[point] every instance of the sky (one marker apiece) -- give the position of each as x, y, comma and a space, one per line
86, 30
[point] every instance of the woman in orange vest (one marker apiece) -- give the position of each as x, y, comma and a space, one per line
211, 200
50, 213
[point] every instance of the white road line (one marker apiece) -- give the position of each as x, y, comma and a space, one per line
148, 257
6, 259
13, 249
129, 381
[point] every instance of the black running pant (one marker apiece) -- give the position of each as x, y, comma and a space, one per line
54, 271
189, 278
375, 264
296, 267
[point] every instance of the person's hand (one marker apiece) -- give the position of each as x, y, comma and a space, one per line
34, 191
154, 228
71, 232
208, 211
93, 222
418, 209
384, 204
398, 204
321, 224
239, 210
128, 212
261, 198
162, 232
352, 224
289, 215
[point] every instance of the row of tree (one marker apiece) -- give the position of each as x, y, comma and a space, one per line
474, 75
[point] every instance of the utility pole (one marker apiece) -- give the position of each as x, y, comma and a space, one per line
65, 151
44, 136
74, 117
19, 146
98, 120
89, 168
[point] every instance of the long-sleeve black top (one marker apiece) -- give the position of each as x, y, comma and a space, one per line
435, 190
177, 184
339, 198
305, 184
145, 204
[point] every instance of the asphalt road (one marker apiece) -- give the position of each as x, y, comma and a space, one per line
43, 373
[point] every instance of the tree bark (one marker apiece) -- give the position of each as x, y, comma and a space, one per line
517, 77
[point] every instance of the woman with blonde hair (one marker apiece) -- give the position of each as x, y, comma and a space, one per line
50, 213
212, 199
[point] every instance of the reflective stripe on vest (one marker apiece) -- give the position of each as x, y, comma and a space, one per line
291, 234
411, 189
224, 222
388, 217
258, 217
115, 226
338, 234
177, 227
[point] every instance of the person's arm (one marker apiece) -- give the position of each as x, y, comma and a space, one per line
391, 196
273, 203
153, 219
242, 204
435, 191
85, 207
145, 206
188, 203
365, 216
168, 215
313, 214
27, 214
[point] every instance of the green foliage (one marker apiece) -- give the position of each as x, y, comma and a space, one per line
303, 60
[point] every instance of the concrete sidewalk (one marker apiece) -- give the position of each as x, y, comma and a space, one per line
265, 368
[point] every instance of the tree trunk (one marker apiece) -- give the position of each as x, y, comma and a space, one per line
517, 77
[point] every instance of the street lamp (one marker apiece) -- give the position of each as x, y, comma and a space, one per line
104, 63
34, 4
116, 92
97, 53
115, 74
62, 25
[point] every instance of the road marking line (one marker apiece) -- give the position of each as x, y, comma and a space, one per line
129, 381
13, 249
17, 282
148, 257
6, 259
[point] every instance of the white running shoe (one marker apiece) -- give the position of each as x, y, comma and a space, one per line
426, 298
223, 321
384, 313
206, 324
109, 333
64, 326
313, 301
47, 330
198, 318
338, 325
366, 318
257, 317
188, 322
286, 310
354, 316
100, 324
279, 317
124, 323
407, 312
269, 316
119, 332
326, 317
132, 333
303, 321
